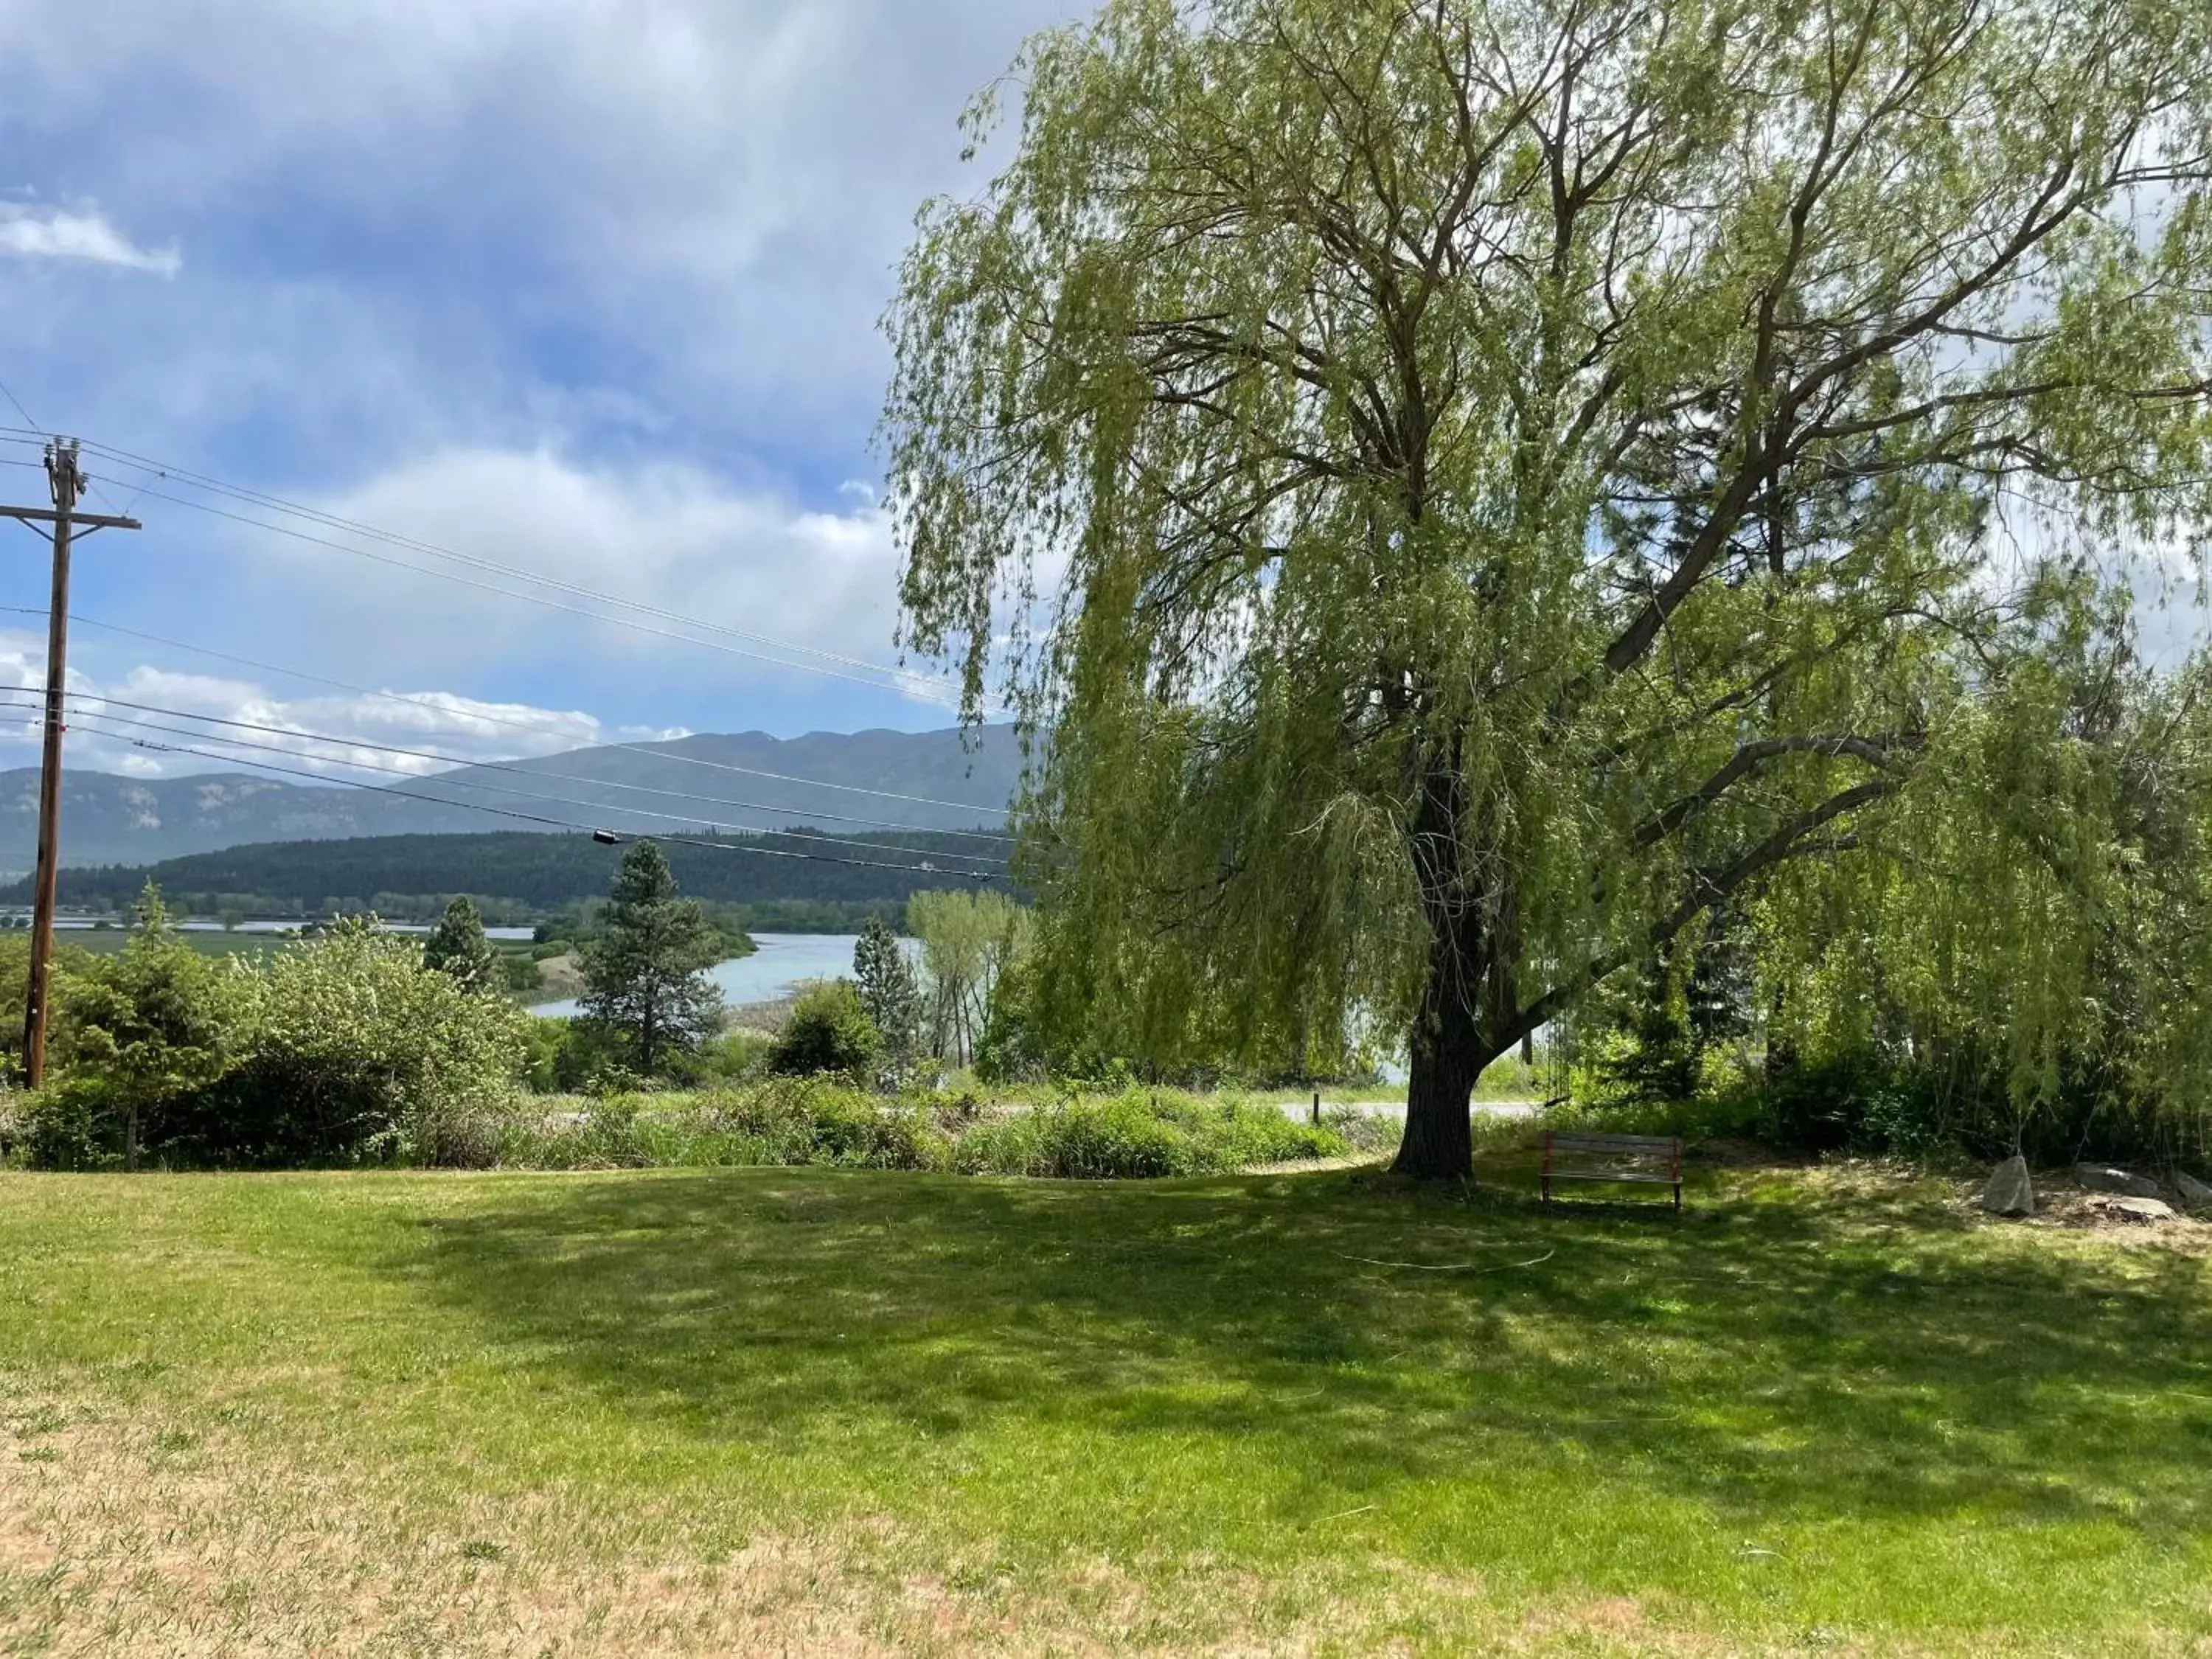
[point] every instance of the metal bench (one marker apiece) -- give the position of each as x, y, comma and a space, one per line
1650, 1160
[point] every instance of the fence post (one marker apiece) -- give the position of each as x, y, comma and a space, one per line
1316, 1110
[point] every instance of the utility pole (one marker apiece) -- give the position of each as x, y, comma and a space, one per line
68, 482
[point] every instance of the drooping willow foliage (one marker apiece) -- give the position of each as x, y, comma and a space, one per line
2031, 941
1459, 490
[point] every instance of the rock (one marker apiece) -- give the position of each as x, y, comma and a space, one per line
2194, 1193
2103, 1178
2010, 1191
2137, 1209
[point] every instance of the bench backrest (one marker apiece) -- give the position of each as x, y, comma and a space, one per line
1566, 1142
1663, 1151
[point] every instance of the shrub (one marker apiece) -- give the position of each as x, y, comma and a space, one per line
828, 1030
76, 1124
351, 1046
816, 1122
735, 1057
1135, 1136
1364, 1132
474, 1133
154, 1021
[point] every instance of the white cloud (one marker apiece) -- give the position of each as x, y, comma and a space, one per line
739, 575
454, 268
139, 723
28, 232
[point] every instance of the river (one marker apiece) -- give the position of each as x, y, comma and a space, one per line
782, 961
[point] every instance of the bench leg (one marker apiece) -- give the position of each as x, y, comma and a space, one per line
1677, 1198
1548, 1189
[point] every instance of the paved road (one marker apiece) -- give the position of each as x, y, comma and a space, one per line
1301, 1109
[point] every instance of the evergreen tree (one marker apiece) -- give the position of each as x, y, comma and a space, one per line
150, 1021
890, 994
459, 949
645, 978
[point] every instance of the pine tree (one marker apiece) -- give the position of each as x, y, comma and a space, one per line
459, 949
646, 979
890, 994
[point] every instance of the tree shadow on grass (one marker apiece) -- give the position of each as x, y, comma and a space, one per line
1788, 1360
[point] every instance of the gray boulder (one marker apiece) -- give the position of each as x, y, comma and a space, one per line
2138, 1209
2194, 1193
2103, 1178
2010, 1191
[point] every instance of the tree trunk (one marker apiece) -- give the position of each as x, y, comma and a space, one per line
1448, 1053
1448, 1047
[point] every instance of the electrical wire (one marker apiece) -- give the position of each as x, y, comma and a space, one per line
891, 679
19, 409
883, 677
105, 704
100, 713
123, 511
334, 521
530, 817
656, 752
530, 599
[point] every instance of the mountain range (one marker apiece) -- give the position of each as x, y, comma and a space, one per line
941, 779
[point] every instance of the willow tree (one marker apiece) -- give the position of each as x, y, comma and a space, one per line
1460, 488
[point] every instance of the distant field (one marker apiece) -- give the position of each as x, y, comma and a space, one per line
807, 1411
103, 940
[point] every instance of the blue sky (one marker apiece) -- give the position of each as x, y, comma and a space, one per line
589, 288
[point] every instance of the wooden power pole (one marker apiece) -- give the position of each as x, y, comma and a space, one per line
63, 520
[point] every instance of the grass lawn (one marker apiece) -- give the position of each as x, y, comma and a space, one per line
813, 1410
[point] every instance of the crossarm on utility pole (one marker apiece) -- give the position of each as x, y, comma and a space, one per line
68, 482
75, 521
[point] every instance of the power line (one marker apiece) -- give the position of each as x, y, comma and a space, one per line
85, 713
529, 599
65, 485
334, 521
39, 440
450, 782
887, 677
19, 409
655, 752
82, 698
897, 678
530, 817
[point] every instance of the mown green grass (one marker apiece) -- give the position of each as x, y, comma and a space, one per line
811, 1410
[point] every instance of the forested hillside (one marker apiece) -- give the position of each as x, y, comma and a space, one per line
721, 782
406, 875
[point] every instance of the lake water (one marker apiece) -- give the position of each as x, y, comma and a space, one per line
782, 961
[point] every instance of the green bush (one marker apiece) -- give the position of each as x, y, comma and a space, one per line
350, 1046
827, 1031
1135, 1136
77, 1123
1364, 1132
818, 1120
473, 1134
734, 1057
